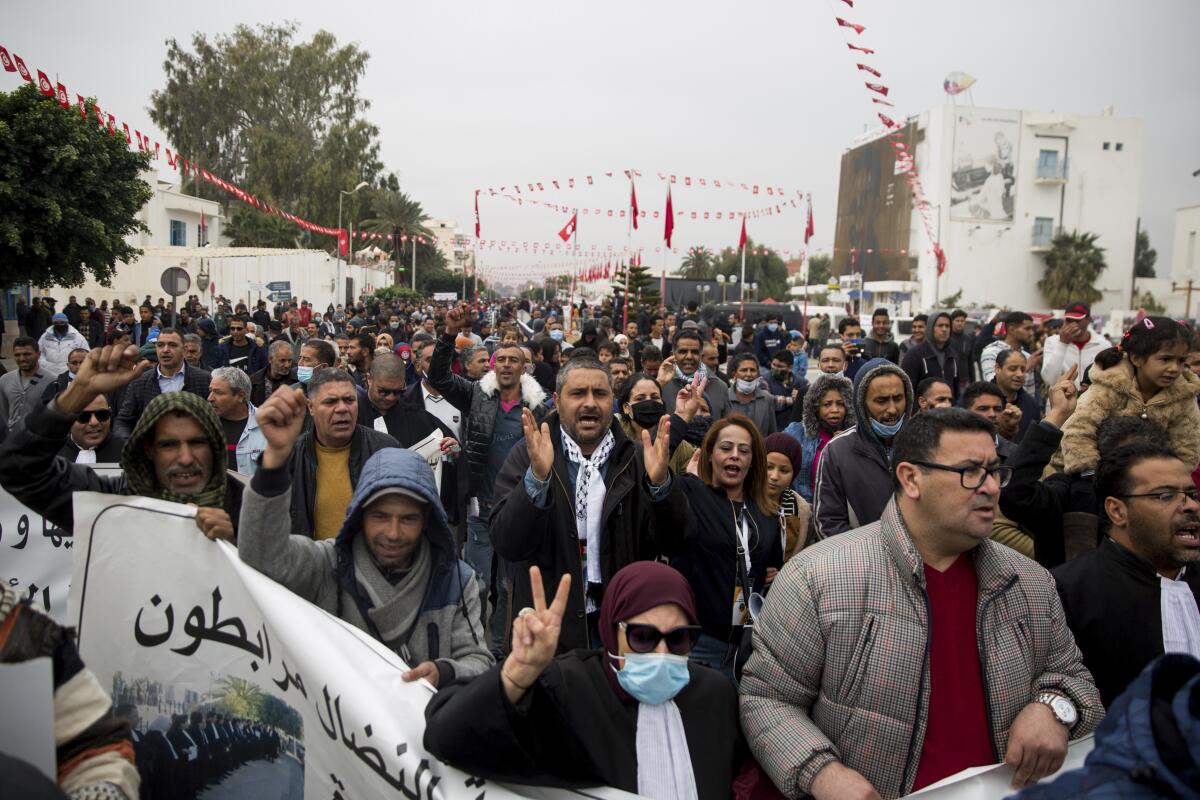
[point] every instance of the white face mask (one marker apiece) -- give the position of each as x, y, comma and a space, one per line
746, 387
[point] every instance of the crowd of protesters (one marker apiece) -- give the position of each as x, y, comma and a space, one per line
681, 553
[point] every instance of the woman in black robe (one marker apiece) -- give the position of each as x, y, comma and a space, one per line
667, 728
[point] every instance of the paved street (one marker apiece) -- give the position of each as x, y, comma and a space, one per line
261, 780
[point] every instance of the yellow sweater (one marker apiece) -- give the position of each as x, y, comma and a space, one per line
333, 490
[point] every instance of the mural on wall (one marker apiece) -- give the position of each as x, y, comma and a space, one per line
983, 175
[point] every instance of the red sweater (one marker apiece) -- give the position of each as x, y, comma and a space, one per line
957, 736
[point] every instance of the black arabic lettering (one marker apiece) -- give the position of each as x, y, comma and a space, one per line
194, 626
153, 639
329, 729
23, 532
290, 679
55, 534
33, 590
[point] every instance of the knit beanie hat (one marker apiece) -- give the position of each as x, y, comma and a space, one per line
786, 444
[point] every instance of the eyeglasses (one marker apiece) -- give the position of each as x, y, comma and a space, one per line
1167, 496
101, 415
644, 638
973, 477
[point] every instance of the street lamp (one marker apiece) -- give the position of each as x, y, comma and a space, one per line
341, 194
721, 281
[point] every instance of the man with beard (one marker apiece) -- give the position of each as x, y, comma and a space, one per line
241, 351
170, 376
1135, 597
228, 394
279, 371
574, 498
174, 452
193, 350
360, 352
684, 366
620, 369
854, 478
492, 409
91, 440
380, 406
327, 459
933, 357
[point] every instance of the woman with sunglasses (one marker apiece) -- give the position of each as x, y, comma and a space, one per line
738, 537
637, 715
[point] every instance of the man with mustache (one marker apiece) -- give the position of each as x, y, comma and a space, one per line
175, 451
914, 647
573, 497
1144, 580
854, 476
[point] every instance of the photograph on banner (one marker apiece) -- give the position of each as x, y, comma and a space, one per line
35, 554
211, 738
182, 626
983, 172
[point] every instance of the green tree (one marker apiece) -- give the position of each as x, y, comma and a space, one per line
700, 264
1144, 256
238, 697
1073, 265
398, 295
399, 215
820, 267
69, 193
768, 270
643, 286
278, 714
279, 117
952, 301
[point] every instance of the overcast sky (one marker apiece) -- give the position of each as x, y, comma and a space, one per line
477, 94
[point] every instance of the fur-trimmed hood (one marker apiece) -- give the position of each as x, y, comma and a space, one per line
532, 394
812, 398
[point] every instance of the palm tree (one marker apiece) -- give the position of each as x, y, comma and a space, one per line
1073, 265
398, 214
238, 697
700, 264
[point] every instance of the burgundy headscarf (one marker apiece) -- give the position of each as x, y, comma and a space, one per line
635, 588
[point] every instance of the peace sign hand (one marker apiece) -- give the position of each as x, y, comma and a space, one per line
535, 635
657, 456
687, 401
538, 444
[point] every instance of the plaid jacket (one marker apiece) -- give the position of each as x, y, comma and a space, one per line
840, 668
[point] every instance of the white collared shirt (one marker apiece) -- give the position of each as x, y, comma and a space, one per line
444, 410
1180, 617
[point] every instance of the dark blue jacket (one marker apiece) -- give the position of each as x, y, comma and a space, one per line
767, 342
256, 360
1149, 744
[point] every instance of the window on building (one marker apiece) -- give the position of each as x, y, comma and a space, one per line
178, 233
1048, 164
1120, 146
1043, 230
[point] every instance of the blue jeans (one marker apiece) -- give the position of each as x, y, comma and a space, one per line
716, 653
478, 554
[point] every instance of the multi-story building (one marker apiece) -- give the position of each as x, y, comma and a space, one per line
1000, 184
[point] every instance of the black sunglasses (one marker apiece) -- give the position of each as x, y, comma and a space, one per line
644, 638
101, 415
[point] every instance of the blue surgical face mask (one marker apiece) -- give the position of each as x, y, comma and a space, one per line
887, 431
772, 327
653, 678
303, 374
556, 335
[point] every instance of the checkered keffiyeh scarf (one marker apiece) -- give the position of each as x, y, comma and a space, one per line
589, 496
139, 469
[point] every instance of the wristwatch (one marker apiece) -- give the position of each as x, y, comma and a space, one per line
1063, 709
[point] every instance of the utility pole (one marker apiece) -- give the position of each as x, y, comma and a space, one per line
1188, 287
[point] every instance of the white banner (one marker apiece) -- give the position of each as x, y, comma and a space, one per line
173, 623
35, 554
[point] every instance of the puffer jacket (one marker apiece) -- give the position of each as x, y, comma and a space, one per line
1114, 393
1149, 744
478, 400
445, 630
55, 350
847, 623
854, 476
808, 431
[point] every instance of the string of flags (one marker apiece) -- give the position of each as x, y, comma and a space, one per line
11, 62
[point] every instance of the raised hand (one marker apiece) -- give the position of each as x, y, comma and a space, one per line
1009, 422
534, 637
103, 371
687, 401
1063, 397
281, 419
666, 370
538, 444
693, 467
456, 319
657, 456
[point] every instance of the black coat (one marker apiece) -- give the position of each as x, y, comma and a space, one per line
145, 388
303, 468
258, 385
634, 528
1112, 601
109, 451
570, 729
921, 362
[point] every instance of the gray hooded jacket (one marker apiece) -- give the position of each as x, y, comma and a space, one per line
854, 478
439, 622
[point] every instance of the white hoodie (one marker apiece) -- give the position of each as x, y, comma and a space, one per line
1059, 357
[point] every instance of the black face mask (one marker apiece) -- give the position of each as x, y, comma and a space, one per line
697, 428
647, 413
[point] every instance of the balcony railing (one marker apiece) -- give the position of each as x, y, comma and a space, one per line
1043, 237
1052, 172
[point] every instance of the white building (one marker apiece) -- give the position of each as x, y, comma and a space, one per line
1185, 260
1001, 183
174, 218
450, 240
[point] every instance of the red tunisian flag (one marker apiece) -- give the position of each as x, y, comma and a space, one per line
476, 213
808, 229
21, 68
633, 202
853, 26
742, 238
44, 84
569, 229
9, 66
669, 225
64, 99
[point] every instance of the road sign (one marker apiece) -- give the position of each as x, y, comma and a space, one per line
280, 286
175, 281
279, 297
